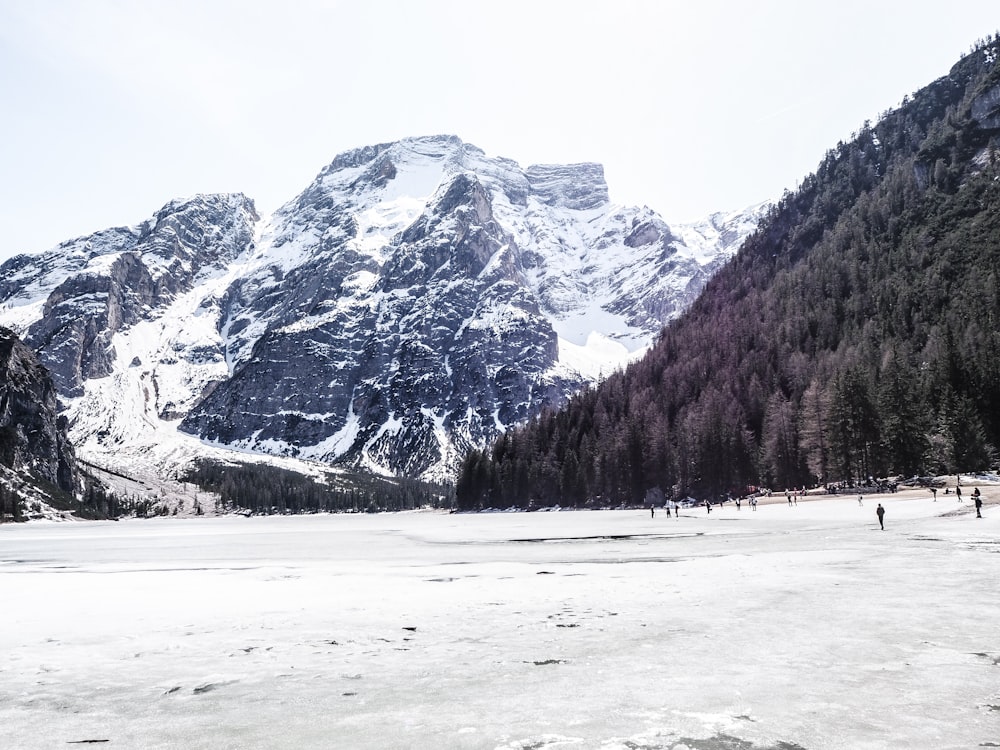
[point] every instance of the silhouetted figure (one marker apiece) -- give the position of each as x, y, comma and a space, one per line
861, 499
880, 512
978, 499
934, 492
958, 491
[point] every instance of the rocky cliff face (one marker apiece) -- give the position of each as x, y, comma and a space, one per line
122, 277
416, 299
32, 433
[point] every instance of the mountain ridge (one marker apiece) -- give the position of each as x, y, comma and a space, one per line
416, 299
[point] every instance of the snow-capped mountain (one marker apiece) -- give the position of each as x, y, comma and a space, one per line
416, 299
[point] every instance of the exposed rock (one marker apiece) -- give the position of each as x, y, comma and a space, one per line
32, 434
124, 277
985, 109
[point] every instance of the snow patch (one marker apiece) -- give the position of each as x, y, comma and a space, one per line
597, 358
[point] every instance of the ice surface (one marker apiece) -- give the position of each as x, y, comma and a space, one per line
788, 627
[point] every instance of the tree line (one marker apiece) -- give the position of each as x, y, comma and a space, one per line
263, 488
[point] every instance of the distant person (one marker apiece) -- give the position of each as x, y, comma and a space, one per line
934, 492
788, 496
880, 512
958, 491
652, 511
708, 507
677, 510
861, 500
978, 500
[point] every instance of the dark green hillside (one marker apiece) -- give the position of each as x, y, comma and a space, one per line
260, 488
856, 333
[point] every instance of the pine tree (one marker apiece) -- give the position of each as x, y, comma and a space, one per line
782, 463
814, 430
853, 422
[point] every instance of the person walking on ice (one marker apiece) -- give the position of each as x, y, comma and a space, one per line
978, 500
860, 500
880, 512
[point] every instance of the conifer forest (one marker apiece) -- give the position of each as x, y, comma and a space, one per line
856, 334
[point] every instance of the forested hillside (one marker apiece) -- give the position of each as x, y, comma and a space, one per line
854, 334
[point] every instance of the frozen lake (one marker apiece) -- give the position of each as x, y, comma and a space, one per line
780, 629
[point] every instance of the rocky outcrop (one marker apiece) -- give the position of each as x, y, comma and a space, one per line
575, 186
32, 434
81, 316
121, 277
985, 109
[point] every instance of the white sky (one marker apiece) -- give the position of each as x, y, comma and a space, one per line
110, 108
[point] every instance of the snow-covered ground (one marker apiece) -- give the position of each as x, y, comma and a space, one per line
784, 628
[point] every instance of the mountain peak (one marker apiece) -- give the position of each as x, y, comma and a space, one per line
426, 147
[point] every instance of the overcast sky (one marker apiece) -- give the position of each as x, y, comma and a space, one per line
110, 108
